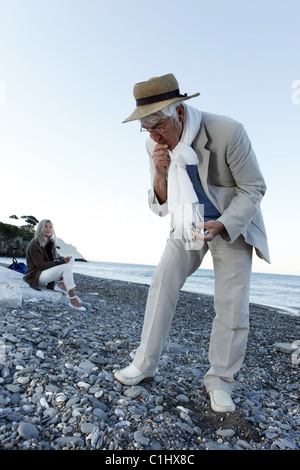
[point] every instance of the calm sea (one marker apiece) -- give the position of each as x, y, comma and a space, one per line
276, 290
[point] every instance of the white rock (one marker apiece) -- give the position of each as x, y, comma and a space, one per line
285, 347
82, 384
44, 402
40, 354
60, 397
10, 295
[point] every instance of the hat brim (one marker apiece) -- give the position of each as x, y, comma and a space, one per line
142, 111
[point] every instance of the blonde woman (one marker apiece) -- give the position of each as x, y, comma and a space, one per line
44, 270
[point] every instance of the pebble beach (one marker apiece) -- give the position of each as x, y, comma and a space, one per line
58, 392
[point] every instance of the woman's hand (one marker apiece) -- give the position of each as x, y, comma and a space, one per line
67, 259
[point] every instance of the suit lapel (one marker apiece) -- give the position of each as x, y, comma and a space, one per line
199, 146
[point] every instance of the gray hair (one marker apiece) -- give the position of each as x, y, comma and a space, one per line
39, 233
167, 111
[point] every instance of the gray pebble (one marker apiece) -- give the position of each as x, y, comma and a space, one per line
138, 437
99, 414
185, 427
226, 432
5, 372
86, 428
59, 366
28, 431
183, 398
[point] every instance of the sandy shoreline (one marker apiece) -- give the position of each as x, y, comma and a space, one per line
173, 412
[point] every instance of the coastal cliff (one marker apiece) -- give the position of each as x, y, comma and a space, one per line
15, 240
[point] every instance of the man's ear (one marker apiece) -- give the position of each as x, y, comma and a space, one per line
180, 112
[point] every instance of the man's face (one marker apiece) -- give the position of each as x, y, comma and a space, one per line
167, 131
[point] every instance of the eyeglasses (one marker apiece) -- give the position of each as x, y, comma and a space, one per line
156, 130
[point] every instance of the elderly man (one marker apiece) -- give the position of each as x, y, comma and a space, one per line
198, 158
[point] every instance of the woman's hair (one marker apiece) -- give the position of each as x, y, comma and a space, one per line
39, 233
167, 111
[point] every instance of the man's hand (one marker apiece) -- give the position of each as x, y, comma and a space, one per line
212, 227
161, 160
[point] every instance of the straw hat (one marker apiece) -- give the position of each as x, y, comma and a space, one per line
155, 94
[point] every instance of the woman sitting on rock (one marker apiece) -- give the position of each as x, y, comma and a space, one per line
44, 270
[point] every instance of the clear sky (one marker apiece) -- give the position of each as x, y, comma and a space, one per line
67, 70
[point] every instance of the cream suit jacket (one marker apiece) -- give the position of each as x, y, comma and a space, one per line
231, 178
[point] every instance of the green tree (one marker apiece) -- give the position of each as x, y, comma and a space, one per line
30, 220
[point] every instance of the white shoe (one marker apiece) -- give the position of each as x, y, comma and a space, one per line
59, 289
221, 401
131, 375
81, 308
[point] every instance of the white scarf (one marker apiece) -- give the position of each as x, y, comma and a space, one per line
182, 199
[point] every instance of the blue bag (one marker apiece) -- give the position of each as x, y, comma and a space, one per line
19, 267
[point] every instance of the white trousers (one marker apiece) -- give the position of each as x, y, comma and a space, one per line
54, 274
232, 268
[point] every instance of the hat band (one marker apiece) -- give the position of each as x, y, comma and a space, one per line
161, 97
